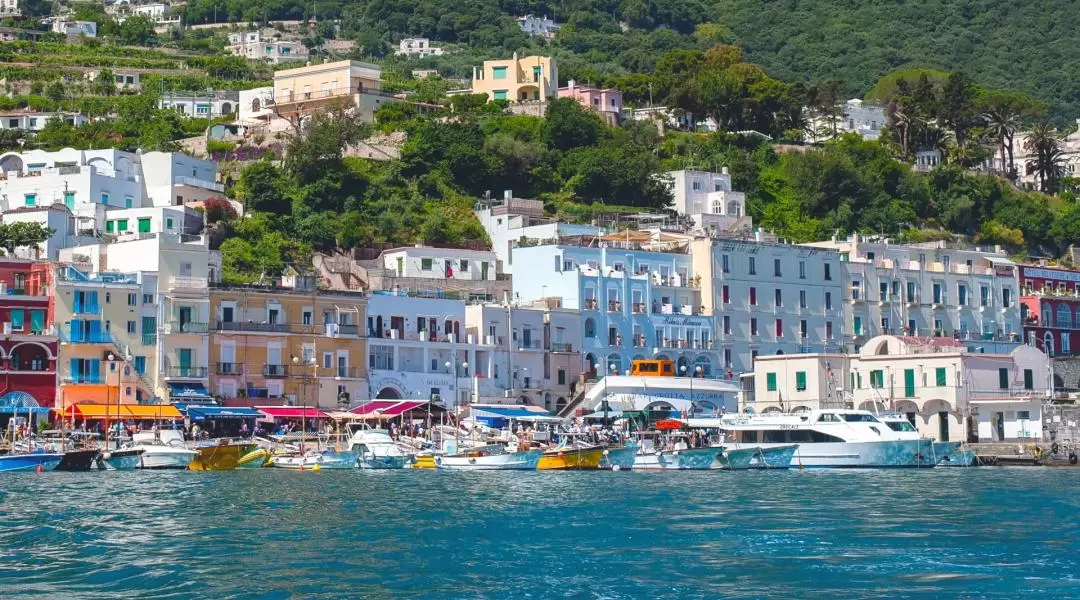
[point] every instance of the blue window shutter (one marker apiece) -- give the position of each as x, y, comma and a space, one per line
95, 370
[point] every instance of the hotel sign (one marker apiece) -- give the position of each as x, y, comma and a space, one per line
684, 321
1037, 273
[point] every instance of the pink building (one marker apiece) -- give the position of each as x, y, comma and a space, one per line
606, 102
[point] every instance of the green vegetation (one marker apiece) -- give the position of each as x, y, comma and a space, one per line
22, 235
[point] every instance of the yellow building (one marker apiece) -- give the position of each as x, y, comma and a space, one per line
271, 343
301, 91
531, 78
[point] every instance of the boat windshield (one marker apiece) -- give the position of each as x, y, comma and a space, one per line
859, 418
900, 425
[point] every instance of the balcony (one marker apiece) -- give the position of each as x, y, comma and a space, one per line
274, 370
561, 347
186, 327
229, 368
194, 284
529, 345
337, 330
614, 306
83, 379
86, 337
202, 183
592, 304
252, 327
86, 309
639, 308
341, 372
185, 372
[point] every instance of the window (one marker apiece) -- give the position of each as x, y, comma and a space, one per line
1065, 346
727, 325
802, 298
857, 326
463, 266
69, 199
108, 297
778, 298
110, 226
133, 299
131, 327
909, 383
961, 294
37, 321
828, 272
941, 377
937, 294
770, 382
30, 199
725, 295
696, 186
779, 328
144, 225
912, 296
1006, 297
17, 319
121, 225
498, 72
877, 378
426, 264
128, 201
561, 376
883, 291
725, 263
828, 330
828, 300
802, 269
1003, 378
753, 326
753, 266
1029, 379
499, 94
148, 298
168, 223
802, 329
984, 296
856, 289
753, 296
1023, 415
776, 267
800, 381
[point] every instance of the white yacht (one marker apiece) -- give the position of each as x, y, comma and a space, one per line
930, 452
828, 438
162, 449
375, 449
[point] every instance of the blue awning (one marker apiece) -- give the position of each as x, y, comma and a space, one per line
24, 410
499, 416
188, 391
198, 413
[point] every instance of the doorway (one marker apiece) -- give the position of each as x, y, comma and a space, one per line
943, 426
999, 427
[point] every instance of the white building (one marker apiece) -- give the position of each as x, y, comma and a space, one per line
75, 28
769, 298
128, 223
253, 45
417, 48
709, 200
511, 221
418, 348
54, 216
10, 8
947, 392
125, 79
542, 26
930, 289
424, 262
201, 105
1023, 158
256, 104
35, 121
867, 120
160, 14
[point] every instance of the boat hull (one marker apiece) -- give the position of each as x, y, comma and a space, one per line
620, 458
859, 455
570, 459
255, 459
510, 461
424, 461
221, 457
778, 456
78, 460
330, 460
694, 459
382, 462
166, 458
13, 463
119, 460
958, 458
738, 459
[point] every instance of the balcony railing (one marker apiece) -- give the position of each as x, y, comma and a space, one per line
86, 337
185, 372
639, 308
591, 303
561, 347
274, 370
337, 329
149, 339
614, 306
253, 327
341, 372
529, 345
83, 378
230, 368
186, 327
86, 309
188, 283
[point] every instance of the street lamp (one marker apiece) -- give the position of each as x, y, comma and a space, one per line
303, 400
464, 365
611, 370
112, 367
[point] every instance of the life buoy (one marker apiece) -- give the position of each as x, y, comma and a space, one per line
1072, 458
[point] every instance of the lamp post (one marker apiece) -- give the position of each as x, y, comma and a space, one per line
449, 365
108, 392
303, 399
604, 403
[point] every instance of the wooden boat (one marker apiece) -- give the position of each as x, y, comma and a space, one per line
567, 458
619, 458
223, 456
494, 457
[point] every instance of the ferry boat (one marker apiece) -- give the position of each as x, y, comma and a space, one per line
828, 438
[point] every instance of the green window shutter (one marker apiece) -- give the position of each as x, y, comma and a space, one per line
110, 226
37, 321
30, 199
858, 381
144, 225
1003, 378
69, 200
1029, 379
941, 376
909, 383
18, 319
800, 381
770, 382
121, 225
858, 326
168, 223
500, 94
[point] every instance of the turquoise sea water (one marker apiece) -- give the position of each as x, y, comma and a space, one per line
943, 533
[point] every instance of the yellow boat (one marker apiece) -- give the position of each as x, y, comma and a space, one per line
257, 458
221, 457
571, 458
424, 461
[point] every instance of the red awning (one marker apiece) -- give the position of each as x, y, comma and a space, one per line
374, 405
291, 412
377, 409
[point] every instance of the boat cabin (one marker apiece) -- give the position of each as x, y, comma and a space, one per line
653, 368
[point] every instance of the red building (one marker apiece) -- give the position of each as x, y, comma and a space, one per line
1050, 308
28, 346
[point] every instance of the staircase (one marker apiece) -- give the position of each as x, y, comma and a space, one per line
578, 398
125, 352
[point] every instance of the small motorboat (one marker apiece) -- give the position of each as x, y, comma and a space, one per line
571, 458
31, 461
162, 449
494, 457
375, 449
619, 458
123, 459
774, 457
323, 459
678, 459
79, 460
255, 459
223, 455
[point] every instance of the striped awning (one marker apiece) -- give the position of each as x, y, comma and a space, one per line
139, 412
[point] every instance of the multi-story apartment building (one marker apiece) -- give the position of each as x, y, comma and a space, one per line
509, 220
302, 91
709, 200
253, 45
417, 48
930, 289
294, 343
1023, 159
1050, 308
28, 348
638, 296
606, 102
768, 298
419, 348
526, 79
538, 359
947, 392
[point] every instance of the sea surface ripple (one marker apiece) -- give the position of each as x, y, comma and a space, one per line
942, 533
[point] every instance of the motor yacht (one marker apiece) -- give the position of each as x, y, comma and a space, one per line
163, 449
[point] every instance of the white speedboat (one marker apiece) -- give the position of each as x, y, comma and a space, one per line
323, 459
161, 450
495, 457
375, 449
677, 459
826, 438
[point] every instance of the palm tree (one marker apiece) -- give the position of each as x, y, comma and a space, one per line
901, 123
1002, 121
1047, 160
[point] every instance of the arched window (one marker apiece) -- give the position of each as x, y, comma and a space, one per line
1064, 316
1048, 343
590, 328
256, 105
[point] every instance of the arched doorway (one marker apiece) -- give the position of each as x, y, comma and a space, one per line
226, 108
388, 393
705, 365
256, 105
682, 366
590, 363
1048, 343
560, 404
29, 356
